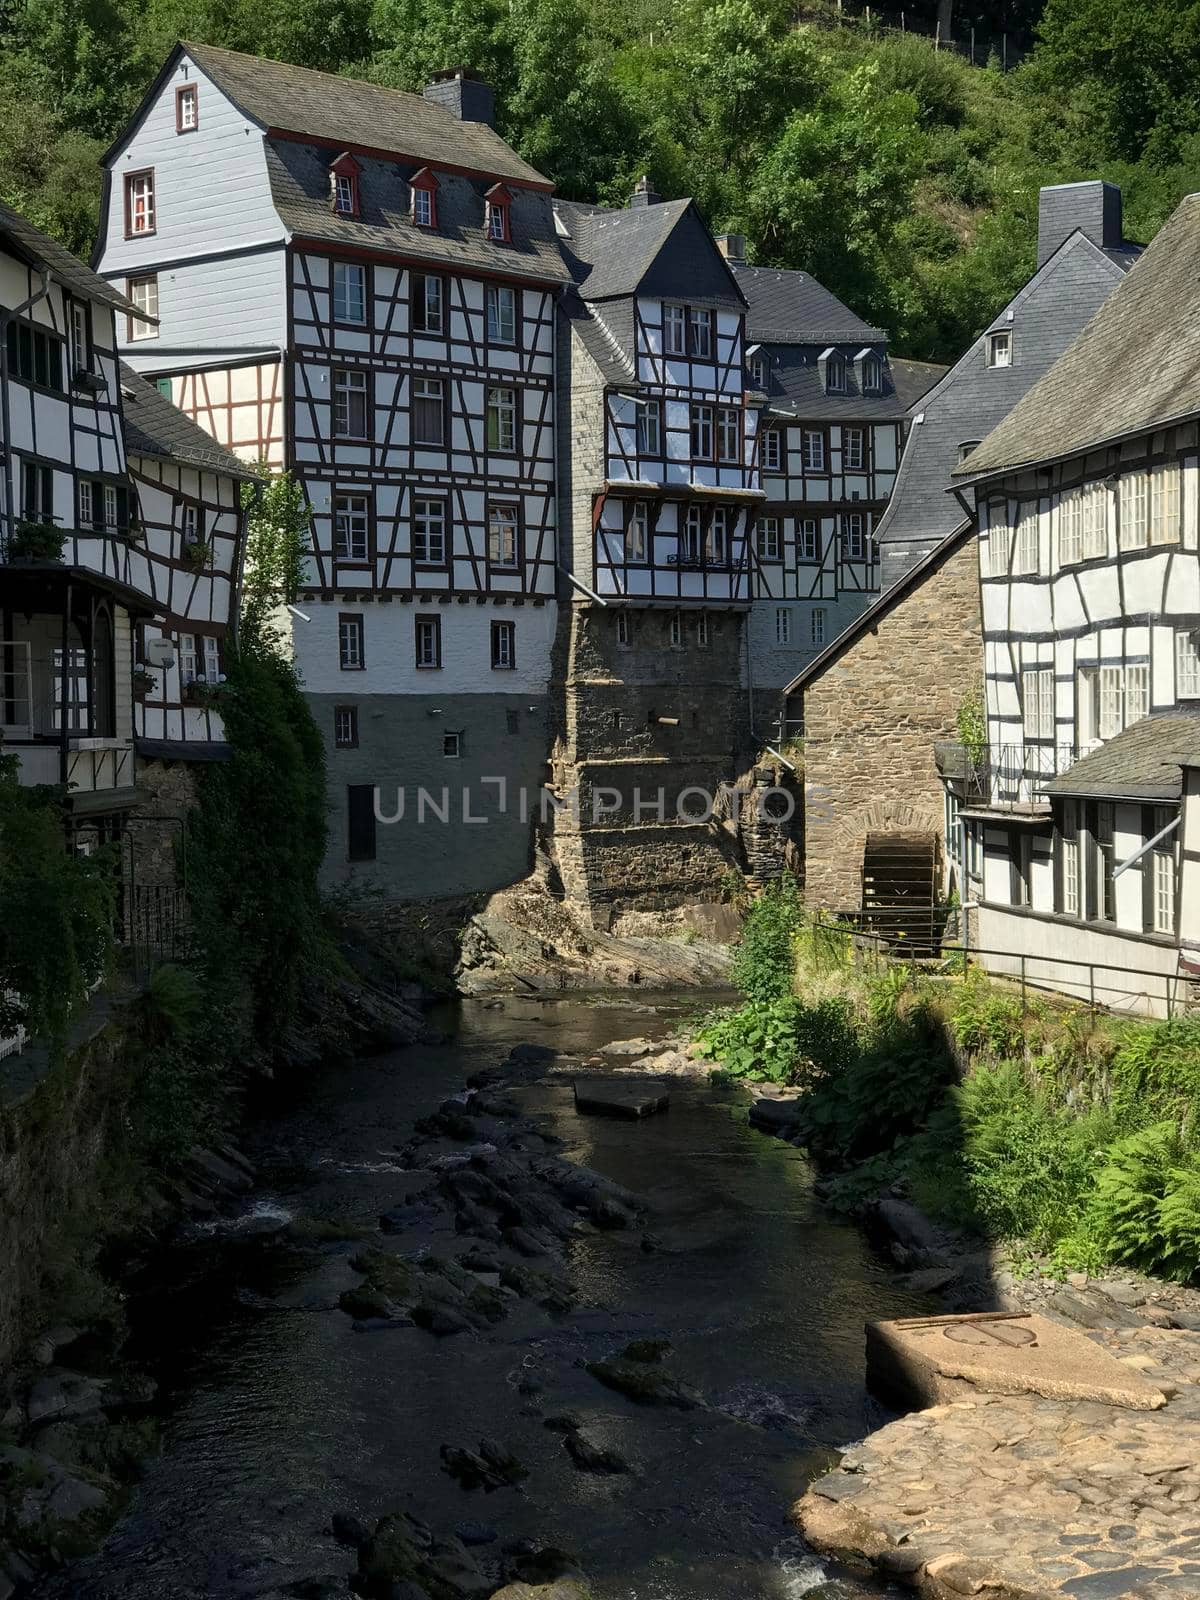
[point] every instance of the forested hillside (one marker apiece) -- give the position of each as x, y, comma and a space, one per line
904, 177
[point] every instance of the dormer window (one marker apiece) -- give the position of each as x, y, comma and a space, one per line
835, 373
497, 219
343, 185
424, 199
999, 349
872, 374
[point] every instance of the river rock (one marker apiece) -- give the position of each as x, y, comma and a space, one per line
64, 1396
525, 1054
562, 1589
603, 1094
403, 1551
492, 1466
591, 1457
644, 1382
349, 1529
629, 1048
775, 1114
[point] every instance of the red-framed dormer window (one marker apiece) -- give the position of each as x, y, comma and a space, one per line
424, 188
344, 185
187, 108
497, 220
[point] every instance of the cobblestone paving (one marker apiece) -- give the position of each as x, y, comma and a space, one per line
1025, 1496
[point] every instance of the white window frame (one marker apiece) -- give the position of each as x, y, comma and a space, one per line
1137, 692
1070, 876
1134, 516
702, 433
345, 727
502, 419
422, 207
810, 539
648, 418
351, 644
729, 434
188, 658
783, 625
675, 631
637, 534
211, 658
692, 543
452, 744
769, 539
429, 530
835, 373
351, 526
854, 449
716, 538
427, 643
501, 313
675, 325
700, 334
504, 537
111, 507
140, 192
1027, 549
1166, 523
703, 635
817, 625
1112, 701
430, 393
1187, 665
432, 298
504, 646
87, 511
350, 387
79, 338
1164, 889
1000, 348
343, 193
812, 449
350, 293
772, 449
1037, 703
854, 536
143, 291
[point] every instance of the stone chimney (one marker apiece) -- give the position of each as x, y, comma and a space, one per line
643, 194
464, 95
1093, 207
731, 245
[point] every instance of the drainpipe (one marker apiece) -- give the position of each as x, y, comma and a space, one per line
7, 316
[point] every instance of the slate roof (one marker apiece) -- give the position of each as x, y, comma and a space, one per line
793, 308
155, 427
1134, 368
1143, 763
609, 252
299, 178
794, 386
347, 112
972, 399
613, 360
37, 247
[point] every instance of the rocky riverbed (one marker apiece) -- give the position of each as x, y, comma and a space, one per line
462, 1338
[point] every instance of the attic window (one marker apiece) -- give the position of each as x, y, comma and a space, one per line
835, 374
758, 370
964, 449
999, 349
424, 199
497, 215
187, 108
872, 379
343, 185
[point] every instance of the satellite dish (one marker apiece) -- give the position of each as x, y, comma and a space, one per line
160, 652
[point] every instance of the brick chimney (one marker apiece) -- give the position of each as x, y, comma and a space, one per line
731, 245
643, 194
464, 95
1093, 207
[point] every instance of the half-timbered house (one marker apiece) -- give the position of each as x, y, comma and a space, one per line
394, 269
658, 486
829, 446
1077, 809
879, 836
67, 608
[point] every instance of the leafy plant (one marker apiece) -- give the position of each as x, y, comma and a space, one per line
1146, 1207
987, 1021
765, 956
971, 722
36, 541
277, 543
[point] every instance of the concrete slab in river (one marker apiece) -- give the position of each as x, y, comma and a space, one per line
620, 1095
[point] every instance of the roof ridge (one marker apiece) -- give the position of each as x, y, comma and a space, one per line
192, 45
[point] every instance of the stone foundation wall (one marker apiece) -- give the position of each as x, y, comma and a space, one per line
871, 719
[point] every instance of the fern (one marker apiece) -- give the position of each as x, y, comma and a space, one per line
1146, 1207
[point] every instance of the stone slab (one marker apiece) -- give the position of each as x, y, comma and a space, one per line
608, 1095
931, 1360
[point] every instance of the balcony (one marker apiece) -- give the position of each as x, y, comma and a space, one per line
1008, 778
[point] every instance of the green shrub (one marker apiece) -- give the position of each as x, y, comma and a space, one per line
988, 1021
1155, 1075
1030, 1164
884, 1093
765, 957
1145, 1211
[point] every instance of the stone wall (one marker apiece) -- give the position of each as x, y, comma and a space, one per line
57, 1126
641, 724
871, 718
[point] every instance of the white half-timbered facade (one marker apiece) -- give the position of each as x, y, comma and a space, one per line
67, 608
398, 269
1072, 832
829, 446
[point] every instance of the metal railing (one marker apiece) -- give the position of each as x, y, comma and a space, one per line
1110, 986
1003, 777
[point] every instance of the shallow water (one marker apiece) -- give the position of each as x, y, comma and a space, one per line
278, 1413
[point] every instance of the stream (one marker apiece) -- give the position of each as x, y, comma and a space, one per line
278, 1411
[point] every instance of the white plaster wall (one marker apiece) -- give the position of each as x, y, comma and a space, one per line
390, 649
